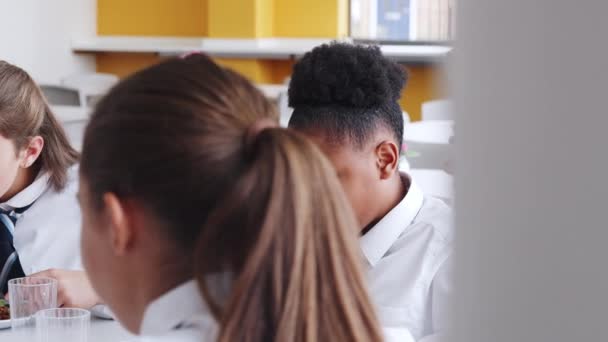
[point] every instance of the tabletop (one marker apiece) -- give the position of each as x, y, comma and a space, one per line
431, 131
436, 183
101, 331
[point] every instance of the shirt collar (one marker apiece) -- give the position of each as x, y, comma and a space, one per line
377, 241
173, 309
28, 195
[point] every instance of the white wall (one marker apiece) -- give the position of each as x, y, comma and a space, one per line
36, 35
531, 187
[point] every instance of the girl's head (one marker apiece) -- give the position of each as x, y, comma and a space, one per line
31, 139
182, 178
345, 98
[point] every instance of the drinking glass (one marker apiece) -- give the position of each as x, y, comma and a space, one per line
63, 325
27, 296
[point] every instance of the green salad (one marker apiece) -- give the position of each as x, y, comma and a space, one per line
5, 312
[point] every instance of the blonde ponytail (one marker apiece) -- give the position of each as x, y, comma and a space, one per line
292, 248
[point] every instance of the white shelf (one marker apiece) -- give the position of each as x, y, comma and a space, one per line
415, 53
275, 48
264, 48
136, 44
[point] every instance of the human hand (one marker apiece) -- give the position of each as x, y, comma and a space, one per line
73, 288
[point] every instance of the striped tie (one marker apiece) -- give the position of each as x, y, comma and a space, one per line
9, 260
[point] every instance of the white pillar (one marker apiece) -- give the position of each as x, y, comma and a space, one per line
531, 91
36, 35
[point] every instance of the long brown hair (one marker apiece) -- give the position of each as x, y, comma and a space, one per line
263, 205
24, 113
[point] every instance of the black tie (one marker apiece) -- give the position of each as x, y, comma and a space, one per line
10, 267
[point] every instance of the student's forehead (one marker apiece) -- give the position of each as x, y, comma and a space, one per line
328, 142
338, 150
357, 137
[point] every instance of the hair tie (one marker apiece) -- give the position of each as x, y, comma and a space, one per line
258, 127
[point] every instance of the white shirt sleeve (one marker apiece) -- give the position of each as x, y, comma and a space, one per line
441, 290
397, 335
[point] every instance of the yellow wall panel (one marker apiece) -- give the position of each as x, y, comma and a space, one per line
185, 18
258, 71
240, 18
423, 85
124, 64
311, 18
264, 16
281, 70
232, 19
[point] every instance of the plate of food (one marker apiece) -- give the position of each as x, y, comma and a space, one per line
5, 315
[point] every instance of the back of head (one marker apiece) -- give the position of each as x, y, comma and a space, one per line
260, 204
347, 91
24, 113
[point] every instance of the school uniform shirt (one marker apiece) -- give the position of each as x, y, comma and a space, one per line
408, 264
47, 234
181, 315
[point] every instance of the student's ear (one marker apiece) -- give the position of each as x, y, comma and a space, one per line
387, 159
122, 231
31, 152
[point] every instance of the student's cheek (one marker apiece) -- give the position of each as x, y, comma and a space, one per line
9, 165
85, 245
356, 196
92, 256
8, 173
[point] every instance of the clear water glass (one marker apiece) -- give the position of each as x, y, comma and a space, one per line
63, 325
27, 296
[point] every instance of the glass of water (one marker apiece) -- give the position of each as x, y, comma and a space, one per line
63, 325
27, 296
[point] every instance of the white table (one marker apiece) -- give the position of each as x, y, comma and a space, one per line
429, 144
436, 183
432, 131
101, 331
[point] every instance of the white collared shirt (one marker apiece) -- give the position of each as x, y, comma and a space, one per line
47, 235
407, 256
181, 315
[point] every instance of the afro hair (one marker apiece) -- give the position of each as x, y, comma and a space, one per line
348, 90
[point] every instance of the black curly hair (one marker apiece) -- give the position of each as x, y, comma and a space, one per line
347, 91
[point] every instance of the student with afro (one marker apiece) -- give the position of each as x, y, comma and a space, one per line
345, 98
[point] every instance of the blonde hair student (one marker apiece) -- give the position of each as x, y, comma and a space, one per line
39, 214
205, 221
